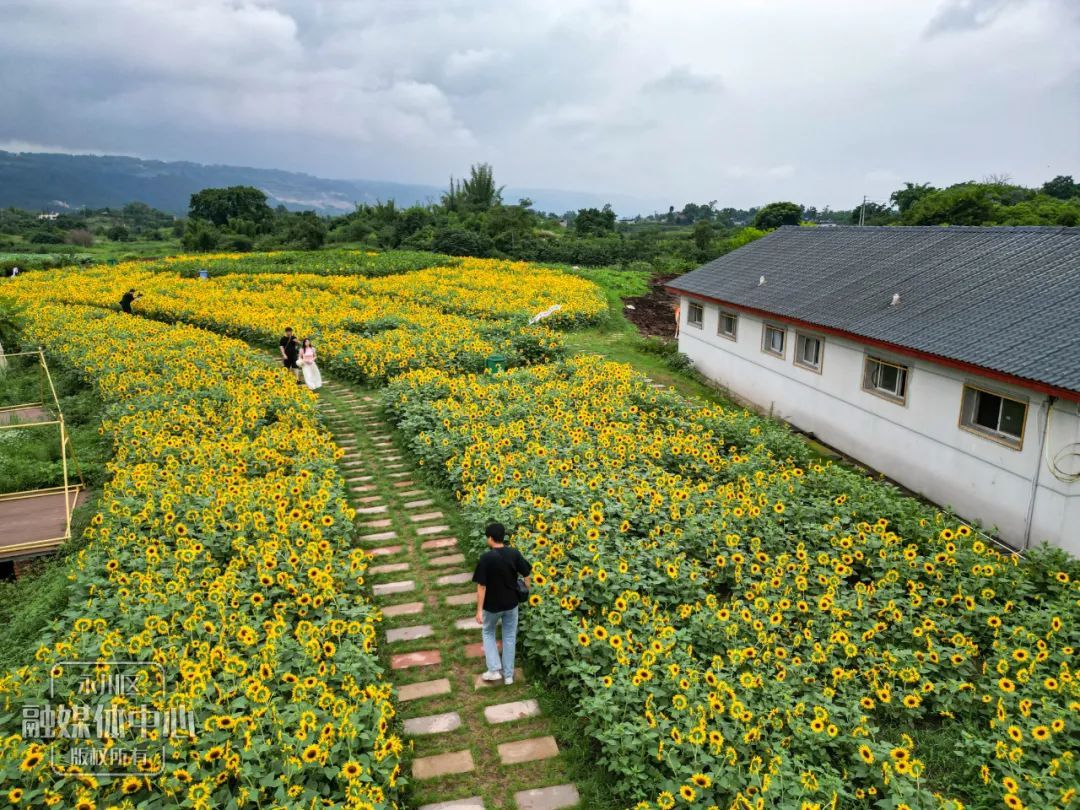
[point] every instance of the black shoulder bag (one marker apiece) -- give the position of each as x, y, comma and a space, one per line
522, 590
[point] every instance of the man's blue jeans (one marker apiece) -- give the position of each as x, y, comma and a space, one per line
509, 619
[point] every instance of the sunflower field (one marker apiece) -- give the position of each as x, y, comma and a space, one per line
222, 552
741, 625
323, 262
365, 329
737, 623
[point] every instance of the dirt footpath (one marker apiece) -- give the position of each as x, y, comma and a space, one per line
653, 314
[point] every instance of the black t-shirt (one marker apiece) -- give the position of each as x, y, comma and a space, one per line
498, 570
291, 347
125, 302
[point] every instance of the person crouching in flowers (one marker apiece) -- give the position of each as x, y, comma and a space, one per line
496, 578
312, 377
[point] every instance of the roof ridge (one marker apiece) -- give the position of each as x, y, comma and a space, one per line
829, 228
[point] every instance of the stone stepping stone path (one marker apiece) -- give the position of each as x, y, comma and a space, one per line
476, 744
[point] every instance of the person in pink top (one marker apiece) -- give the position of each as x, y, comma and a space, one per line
312, 377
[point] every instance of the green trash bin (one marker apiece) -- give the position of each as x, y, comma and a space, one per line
495, 363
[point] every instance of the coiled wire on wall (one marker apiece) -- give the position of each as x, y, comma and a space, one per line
1069, 451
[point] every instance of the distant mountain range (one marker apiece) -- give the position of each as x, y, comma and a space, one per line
56, 182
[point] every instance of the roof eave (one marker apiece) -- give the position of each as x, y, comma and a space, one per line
962, 365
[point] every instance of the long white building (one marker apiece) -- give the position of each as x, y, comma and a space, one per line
946, 358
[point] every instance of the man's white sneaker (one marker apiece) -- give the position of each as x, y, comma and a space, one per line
508, 681
491, 676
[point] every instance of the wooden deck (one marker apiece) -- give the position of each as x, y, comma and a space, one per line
34, 523
26, 414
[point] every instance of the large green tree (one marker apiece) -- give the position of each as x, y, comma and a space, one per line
910, 194
872, 213
776, 214
1062, 187
594, 221
219, 205
476, 193
966, 204
1042, 209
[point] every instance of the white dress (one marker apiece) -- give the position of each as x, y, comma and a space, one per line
312, 377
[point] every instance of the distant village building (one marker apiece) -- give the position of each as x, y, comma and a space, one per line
48, 215
946, 358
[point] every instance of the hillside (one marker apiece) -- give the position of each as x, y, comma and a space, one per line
56, 182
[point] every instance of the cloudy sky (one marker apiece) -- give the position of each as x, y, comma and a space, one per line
740, 101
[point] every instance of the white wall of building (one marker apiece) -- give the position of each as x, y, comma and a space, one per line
919, 443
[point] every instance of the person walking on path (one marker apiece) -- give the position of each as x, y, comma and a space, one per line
127, 299
312, 377
290, 351
496, 578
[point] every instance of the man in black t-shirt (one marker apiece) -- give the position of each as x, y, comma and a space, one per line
290, 351
496, 578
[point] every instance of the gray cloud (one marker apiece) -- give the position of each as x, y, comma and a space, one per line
670, 102
682, 79
969, 15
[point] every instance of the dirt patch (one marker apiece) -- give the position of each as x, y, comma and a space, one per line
653, 314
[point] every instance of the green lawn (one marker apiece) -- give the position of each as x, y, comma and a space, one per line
618, 339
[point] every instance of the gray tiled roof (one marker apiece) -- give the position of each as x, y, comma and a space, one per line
1006, 299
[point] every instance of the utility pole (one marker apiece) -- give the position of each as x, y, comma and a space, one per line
862, 212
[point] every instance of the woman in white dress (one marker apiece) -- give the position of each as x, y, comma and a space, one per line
312, 377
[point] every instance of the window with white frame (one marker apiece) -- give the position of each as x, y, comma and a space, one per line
808, 351
886, 379
728, 324
995, 416
695, 316
772, 339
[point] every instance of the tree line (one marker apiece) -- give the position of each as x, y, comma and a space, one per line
473, 219
994, 201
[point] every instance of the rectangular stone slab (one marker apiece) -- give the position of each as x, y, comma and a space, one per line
509, 712
425, 530
433, 724
425, 516
447, 559
386, 588
442, 764
381, 523
409, 633
423, 689
555, 797
454, 579
528, 750
469, 623
477, 650
386, 551
389, 568
378, 536
461, 599
424, 658
405, 609
442, 542
471, 803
